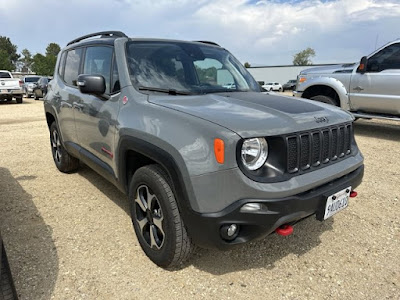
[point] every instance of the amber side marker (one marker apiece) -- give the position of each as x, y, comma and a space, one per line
219, 150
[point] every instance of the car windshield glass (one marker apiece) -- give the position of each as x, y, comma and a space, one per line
270, 83
32, 79
186, 68
4, 75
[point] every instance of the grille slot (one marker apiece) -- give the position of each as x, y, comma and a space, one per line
313, 148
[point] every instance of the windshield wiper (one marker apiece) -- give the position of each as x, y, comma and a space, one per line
161, 90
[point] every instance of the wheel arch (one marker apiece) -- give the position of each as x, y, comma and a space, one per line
135, 152
330, 87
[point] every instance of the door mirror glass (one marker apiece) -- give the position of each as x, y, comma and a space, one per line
91, 84
362, 68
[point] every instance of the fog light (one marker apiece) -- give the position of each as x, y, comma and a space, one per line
252, 207
229, 232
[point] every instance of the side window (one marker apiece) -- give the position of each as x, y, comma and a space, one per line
98, 62
61, 66
387, 58
72, 66
210, 71
115, 85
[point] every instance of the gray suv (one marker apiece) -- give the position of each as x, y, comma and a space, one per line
202, 164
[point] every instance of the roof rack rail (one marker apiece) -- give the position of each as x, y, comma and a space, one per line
208, 42
101, 33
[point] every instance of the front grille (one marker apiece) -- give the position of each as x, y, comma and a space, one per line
317, 147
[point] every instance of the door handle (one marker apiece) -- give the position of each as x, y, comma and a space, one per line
358, 88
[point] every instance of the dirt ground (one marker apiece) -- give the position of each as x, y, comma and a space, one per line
70, 236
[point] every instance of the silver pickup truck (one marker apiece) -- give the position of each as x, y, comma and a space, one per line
368, 89
10, 87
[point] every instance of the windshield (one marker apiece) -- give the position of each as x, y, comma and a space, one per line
31, 79
186, 68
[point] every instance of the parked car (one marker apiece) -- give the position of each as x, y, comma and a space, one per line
29, 83
290, 85
367, 89
230, 86
10, 87
201, 164
40, 87
273, 86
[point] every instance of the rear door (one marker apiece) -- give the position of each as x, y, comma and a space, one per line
95, 117
377, 90
66, 93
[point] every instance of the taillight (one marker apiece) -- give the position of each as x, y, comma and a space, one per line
21, 83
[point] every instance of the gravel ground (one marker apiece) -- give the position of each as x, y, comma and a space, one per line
70, 236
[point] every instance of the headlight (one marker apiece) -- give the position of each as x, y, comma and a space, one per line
254, 153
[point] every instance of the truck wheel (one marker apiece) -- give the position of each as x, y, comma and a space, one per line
325, 99
156, 219
63, 160
19, 99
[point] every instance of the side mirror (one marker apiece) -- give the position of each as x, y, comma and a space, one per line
363, 65
91, 84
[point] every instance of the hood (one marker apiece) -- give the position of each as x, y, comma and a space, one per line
343, 68
252, 114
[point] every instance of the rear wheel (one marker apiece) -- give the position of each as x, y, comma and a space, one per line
63, 160
325, 99
158, 225
19, 99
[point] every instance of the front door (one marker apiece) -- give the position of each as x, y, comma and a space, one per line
377, 90
95, 116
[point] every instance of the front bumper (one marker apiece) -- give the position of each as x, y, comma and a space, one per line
297, 94
204, 228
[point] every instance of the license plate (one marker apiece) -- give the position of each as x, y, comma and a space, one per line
337, 202
4, 91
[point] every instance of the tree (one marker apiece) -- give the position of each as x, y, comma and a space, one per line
303, 57
5, 62
9, 52
247, 65
52, 49
43, 65
26, 61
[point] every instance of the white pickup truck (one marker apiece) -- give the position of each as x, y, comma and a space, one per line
369, 89
10, 87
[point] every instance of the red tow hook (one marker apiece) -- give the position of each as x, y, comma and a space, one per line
353, 194
284, 230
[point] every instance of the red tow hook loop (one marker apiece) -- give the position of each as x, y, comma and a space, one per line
353, 194
284, 230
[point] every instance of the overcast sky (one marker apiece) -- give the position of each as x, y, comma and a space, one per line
265, 32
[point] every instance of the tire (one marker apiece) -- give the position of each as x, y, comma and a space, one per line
280, 89
36, 96
156, 219
7, 289
63, 160
325, 99
19, 99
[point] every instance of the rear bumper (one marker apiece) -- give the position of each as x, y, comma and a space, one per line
204, 228
9, 92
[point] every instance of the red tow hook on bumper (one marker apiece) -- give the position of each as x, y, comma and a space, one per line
353, 194
284, 230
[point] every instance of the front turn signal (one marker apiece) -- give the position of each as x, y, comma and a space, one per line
219, 150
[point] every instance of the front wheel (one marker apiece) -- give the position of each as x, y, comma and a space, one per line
63, 160
155, 215
325, 99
